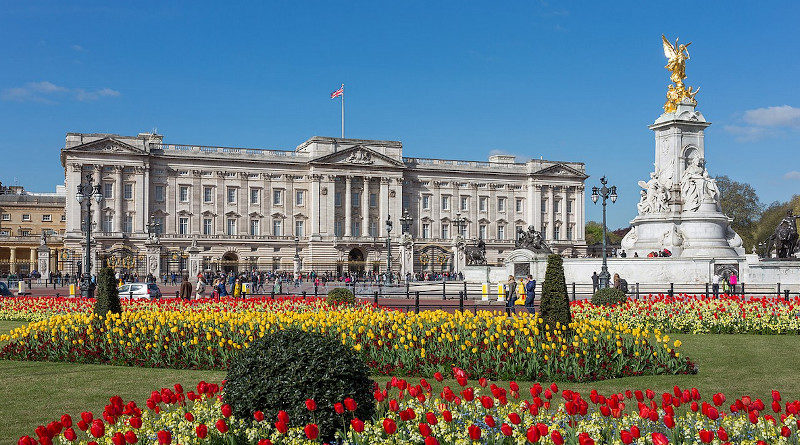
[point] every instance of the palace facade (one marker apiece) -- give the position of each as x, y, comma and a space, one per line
325, 203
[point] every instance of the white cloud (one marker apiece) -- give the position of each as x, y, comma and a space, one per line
48, 92
762, 122
78, 48
792, 175
783, 116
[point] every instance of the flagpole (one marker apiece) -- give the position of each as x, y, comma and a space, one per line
342, 111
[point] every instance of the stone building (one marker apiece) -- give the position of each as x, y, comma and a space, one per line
24, 218
169, 207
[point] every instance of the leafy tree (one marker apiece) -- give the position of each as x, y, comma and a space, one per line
555, 300
772, 216
107, 293
594, 233
740, 202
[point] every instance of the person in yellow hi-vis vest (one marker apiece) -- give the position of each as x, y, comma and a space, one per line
520, 293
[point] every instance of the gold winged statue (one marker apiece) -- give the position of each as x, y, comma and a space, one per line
677, 55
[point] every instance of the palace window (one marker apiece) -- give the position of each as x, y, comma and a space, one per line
299, 228
47, 218
127, 224
159, 192
207, 226
426, 230
108, 190
483, 203
231, 195
159, 228
337, 228
356, 199
208, 194
445, 231
569, 232
445, 203
356, 228
299, 197
482, 231
337, 199
463, 230
501, 204
231, 226
25, 233
464, 203
501, 232
277, 227
556, 232
26, 216
373, 228
544, 205
6, 217
127, 191
183, 225
556, 206
373, 200
255, 195
277, 197
255, 228
569, 206
183, 193
518, 205
63, 218
426, 202
108, 223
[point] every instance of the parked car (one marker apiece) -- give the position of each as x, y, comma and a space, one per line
139, 291
4, 291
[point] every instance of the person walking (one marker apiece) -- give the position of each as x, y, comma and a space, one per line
237, 289
186, 288
715, 284
595, 282
201, 288
530, 295
511, 294
733, 280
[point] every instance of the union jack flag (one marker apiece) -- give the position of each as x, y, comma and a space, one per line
337, 93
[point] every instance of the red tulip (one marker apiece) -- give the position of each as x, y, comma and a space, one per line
585, 439
281, 427
164, 437
98, 428
66, 421
483, 382
474, 432
86, 416
626, 437
226, 410
135, 422
487, 402
189, 416
532, 434
26, 440
358, 426
722, 434
514, 418
669, 421
70, 435
542, 429
659, 439
430, 440
389, 426
283, 417
221, 426
785, 431
447, 416
130, 437
118, 439
394, 406
258, 415
438, 376
201, 430
513, 386
350, 404
635, 432
339, 408
506, 429
431, 418
425, 429
312, 431
706, 436
264, 442
555, 436
311, 405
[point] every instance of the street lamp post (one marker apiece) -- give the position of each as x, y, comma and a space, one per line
605, 193
389, 247
86, 192
458, 221
405, 221
297, 248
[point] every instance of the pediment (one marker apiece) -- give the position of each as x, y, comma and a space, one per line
561, 170
107, 145
184, 213
208, 213
159, 212
255, 215
358, 155
300, 216
232, 214
278, 215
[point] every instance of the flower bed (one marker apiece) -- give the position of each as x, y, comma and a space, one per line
697, 314
206, 335
409, 413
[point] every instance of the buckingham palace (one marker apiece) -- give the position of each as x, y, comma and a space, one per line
327, 205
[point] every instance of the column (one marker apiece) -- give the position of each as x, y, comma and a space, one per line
330, 205
383, 206
195, 223
146, 198
315, 205
118, 198
289, 204
12, 259
580, 219
436, 210
551, 215
73, 208
564, 213
96, 177
348, 205
365, 208
537, 206
33, 259
476, 214
219, 203
243, 206
530, 214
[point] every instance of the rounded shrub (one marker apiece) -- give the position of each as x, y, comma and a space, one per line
340, 295
281, 370
608, 296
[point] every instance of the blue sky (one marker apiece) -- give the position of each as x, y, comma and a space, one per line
567, 81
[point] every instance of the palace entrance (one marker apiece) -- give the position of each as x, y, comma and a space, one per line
230, 262
355, 261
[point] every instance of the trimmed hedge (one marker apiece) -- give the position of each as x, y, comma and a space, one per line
608, 297
280, 370
107, 293
554, 304
340, 295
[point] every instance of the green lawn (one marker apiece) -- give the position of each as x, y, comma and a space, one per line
38, 392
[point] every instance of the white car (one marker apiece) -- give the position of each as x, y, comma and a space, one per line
139, 291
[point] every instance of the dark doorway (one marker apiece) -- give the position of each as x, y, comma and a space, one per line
355, 261
230, 262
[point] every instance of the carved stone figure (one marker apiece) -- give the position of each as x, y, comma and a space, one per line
677, 55
360, 157
643, 206
532, 240
697, 187
655, 197
784, 239
476, 255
